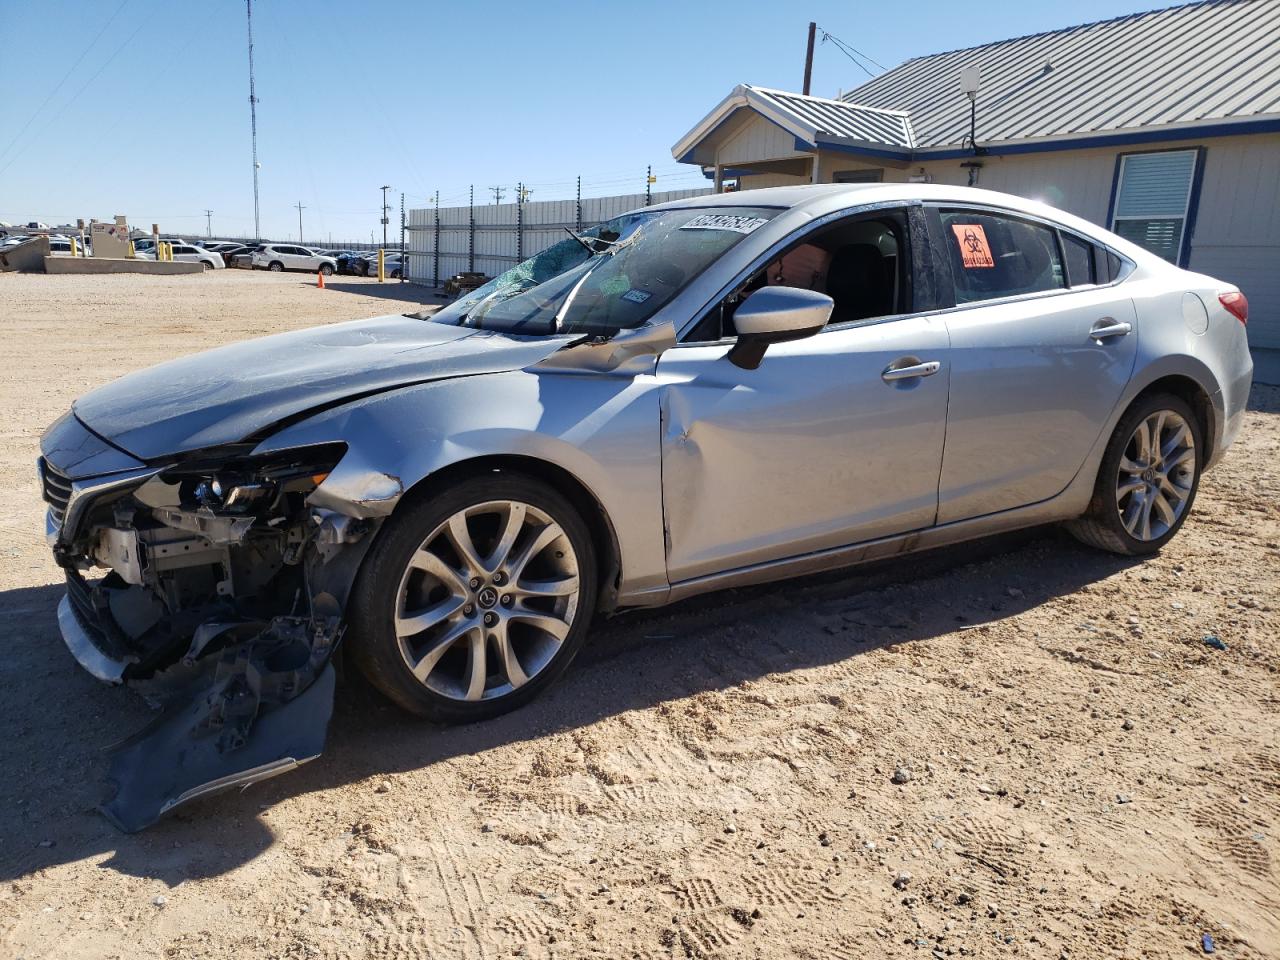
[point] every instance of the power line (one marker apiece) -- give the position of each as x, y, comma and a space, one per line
75, 96
75, 66
852, 53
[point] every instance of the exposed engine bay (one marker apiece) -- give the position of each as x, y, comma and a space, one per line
221, 603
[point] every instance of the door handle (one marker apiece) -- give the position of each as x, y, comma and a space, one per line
913, 372
1106, 327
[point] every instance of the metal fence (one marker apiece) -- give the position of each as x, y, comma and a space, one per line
492, 238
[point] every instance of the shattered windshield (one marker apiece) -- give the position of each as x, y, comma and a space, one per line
611, 277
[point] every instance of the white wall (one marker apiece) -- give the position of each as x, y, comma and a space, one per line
498, 243
1237, 229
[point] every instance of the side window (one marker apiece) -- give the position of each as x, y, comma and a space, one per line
1079, 256
1153, 199
861, 262
995, 255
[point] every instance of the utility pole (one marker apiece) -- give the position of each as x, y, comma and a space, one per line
385, 221
403, 265
435, 246
253, 122
300, 209
498, 193
648, 185
208, 223
808, 58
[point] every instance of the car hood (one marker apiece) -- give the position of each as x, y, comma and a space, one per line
240, 391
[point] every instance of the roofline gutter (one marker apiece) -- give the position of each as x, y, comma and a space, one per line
1120, 138
1163, 134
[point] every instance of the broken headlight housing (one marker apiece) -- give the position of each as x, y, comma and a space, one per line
240, 484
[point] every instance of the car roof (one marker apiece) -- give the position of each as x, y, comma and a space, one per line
824, 198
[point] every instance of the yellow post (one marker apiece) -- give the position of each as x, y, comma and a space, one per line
382, 266
132, 253
75, 250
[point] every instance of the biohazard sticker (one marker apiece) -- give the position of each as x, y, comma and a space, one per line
975, 252
725, 221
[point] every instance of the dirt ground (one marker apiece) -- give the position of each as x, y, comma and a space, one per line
1084, 777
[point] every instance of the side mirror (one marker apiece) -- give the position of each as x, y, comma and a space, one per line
775, 315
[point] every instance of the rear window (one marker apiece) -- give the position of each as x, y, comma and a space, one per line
995, 255
1080, 260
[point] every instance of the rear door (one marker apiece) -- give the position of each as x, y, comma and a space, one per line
1040, 354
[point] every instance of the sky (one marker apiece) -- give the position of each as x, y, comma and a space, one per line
141, 107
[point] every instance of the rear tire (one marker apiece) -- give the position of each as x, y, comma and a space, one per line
464, 634
276, 267
1147, 481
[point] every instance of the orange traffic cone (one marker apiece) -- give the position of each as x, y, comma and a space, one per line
320, 279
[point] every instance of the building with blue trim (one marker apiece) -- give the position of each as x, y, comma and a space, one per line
1162, 126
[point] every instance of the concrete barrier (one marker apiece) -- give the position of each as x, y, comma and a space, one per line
25, 256
98, 265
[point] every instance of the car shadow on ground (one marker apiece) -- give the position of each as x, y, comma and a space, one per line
58, 720
387, 290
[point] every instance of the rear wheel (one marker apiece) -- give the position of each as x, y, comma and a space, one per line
1148, 478
476, 599
276, 267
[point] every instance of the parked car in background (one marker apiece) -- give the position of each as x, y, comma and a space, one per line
243, 259
367, 264
187, 253
60, 244
284, 256
229, 250
345, 260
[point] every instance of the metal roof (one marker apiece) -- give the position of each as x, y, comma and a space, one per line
820, 118
811, 120
1211, 61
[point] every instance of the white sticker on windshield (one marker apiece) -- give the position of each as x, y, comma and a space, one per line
725, 221
637, 296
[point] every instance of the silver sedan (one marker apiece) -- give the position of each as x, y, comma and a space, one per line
697, 395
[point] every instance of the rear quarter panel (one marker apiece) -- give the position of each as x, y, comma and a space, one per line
1184, 330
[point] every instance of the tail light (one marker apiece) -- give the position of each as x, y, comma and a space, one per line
1237, 304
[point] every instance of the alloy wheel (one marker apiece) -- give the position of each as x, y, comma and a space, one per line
1157, 475
487, 600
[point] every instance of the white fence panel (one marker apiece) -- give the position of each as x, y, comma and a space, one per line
504, 233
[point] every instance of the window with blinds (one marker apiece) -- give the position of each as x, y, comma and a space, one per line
1153, 196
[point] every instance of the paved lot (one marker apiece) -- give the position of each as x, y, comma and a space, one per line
1086, 777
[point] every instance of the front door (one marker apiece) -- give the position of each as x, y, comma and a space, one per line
814, 449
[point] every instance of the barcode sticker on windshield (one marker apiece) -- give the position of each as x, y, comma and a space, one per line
725, 221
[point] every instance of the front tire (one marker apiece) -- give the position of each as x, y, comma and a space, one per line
1148, 479
474, 599
326, 270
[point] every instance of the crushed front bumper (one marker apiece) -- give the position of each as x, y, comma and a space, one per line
243, 682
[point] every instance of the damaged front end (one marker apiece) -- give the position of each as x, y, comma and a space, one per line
222, 603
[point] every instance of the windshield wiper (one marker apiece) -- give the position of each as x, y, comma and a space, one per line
585, 246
